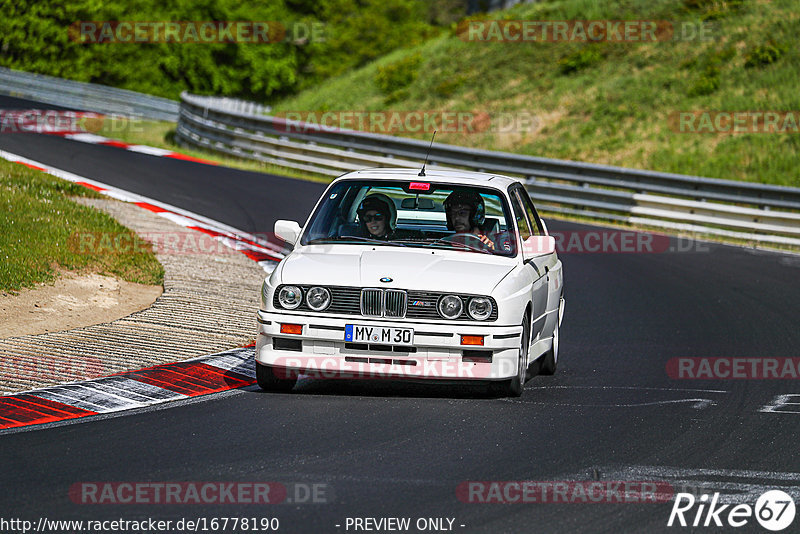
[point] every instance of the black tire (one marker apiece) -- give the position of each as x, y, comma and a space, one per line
269, 380
550, 359
515, 386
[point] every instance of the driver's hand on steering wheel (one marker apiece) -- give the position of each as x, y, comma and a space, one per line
486, 241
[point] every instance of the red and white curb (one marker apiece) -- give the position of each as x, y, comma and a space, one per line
94, 139
267, 254
134, 389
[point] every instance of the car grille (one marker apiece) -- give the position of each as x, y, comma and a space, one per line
383, 303
394, 303
372, 303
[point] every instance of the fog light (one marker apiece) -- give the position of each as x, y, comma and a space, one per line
472, 340
298, 329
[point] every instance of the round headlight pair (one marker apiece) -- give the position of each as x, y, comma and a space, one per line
317, 298
451, 307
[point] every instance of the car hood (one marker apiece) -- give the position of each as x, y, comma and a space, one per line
426, 270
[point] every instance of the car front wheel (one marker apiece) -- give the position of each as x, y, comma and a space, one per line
550, 359
514, 387
270, 380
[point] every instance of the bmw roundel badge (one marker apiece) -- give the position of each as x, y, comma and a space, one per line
386, 279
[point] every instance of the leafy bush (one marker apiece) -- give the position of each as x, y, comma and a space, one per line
449, 85
579, 60
709, 67
706, 84
398, 75
763, 55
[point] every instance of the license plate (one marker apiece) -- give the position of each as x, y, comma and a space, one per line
356, 333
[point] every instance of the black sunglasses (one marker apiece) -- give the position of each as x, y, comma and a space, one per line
376, 217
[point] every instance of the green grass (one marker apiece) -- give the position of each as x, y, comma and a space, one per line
609, 102
40, 228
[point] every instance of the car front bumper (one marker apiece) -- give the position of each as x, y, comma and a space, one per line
437, 353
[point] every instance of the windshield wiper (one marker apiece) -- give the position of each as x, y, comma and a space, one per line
456, 244
368, 240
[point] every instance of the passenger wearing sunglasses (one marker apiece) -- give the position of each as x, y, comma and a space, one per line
378, 216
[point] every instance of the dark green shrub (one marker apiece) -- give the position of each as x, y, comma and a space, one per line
398, 75
765, 54
579, 60
706, 83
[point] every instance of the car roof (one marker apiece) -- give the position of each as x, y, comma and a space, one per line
453, 176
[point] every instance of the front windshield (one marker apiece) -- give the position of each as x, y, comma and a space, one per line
414, 214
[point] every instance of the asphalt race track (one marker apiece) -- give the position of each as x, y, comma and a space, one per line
378, 450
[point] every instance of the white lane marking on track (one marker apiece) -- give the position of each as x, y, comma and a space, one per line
698, 404
709, 481
782, 400
631, 387
86, 138
178, 214
150, 150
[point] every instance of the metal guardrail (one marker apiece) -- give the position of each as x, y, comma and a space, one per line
86, 96
759, 212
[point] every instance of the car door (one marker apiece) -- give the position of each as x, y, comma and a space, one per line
532, 270
550, 263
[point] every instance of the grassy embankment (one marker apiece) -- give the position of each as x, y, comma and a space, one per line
38, 227
598, 102
607, 102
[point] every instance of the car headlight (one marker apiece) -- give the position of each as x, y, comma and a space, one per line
479, 308
290, 297
450, 307
318, 298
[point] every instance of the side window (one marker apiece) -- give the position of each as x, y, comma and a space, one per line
519, 215
533, 217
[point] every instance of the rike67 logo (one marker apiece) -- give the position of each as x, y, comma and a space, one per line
774, 510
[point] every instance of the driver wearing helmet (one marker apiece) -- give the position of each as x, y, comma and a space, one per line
466, 214
378, 217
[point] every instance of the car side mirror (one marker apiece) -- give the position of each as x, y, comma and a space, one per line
538, 245
289, 231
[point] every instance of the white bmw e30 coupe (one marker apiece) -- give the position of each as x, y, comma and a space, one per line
412, 275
